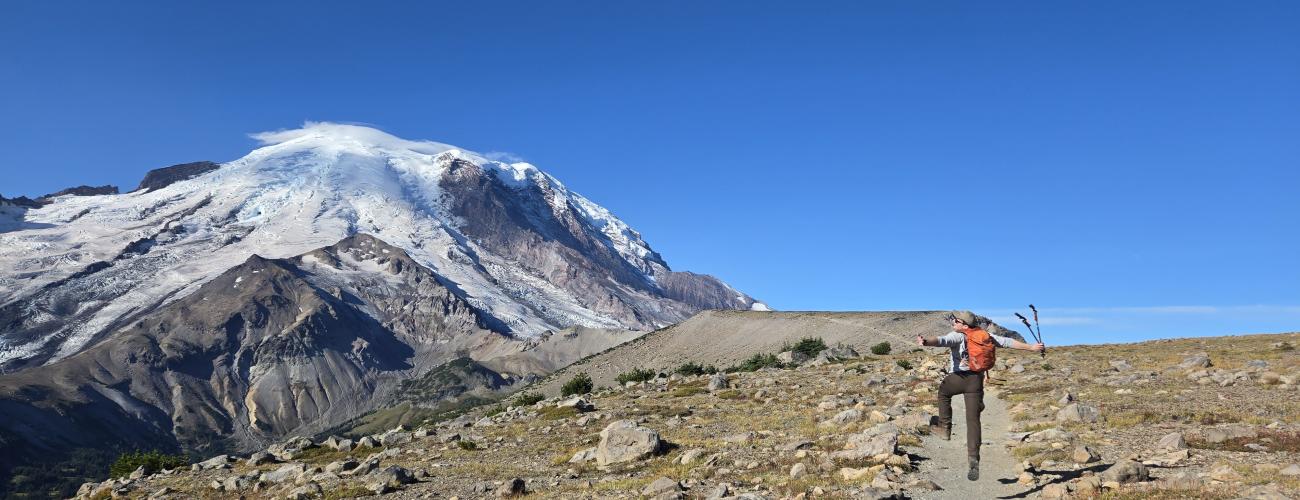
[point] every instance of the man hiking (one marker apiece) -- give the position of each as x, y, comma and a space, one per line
972, 355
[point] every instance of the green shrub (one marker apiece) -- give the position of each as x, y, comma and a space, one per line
496, 410
579, 384
808, 346
1048, 366
757, 362
528, 399
881, 349
636, 375
907, 365
152, 461
467, 445
692, 368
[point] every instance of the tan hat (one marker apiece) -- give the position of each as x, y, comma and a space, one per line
965, 317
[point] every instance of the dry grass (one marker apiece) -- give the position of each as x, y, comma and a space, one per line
556, 413
1276, 441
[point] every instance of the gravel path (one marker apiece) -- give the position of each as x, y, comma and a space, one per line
944, 462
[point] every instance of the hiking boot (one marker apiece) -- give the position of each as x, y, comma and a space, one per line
974, 470
943, 431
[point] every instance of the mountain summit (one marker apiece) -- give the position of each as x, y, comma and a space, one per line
510, 240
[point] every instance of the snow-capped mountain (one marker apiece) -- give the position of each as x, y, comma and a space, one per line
510, 240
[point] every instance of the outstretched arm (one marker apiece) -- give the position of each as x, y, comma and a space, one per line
1016, 344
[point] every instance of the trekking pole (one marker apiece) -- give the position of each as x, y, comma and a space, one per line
1040, 329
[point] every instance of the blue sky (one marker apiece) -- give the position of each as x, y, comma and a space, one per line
1130, 167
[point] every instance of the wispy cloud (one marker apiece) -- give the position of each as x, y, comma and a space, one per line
503, 156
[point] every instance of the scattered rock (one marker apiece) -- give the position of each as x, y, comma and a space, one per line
586, 455
718, 382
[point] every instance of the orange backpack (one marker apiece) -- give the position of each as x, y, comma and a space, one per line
980, 350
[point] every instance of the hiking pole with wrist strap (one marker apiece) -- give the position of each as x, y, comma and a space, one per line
1040, 329
1036, 336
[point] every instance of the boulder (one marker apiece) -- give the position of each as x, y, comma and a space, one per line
513, 488
1126, 471
798, 470
792, 357
286, 472
867, 444
1195, 361
624, 441
1083, 455
217, 462
259, 458
306, 492
843, 418
1120, 365
717, 382
661, 486
1290, 470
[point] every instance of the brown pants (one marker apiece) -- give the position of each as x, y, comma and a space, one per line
970, 385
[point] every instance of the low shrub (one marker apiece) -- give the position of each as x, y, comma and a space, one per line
152, 461
528, 399
757, 362
905, 364
692, 368
636, 375
881, 349
579, 384
808, 346
467, 445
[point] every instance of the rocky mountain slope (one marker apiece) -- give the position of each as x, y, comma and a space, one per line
724, 338
1187, 418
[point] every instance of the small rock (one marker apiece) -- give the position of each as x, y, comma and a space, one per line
306, 492
1183, 480
717, 382
1290, 470
1172, 441
798, 470
1195, 361
792, 357
691, 456
1076, 412
1055, 491
586, 455
512, 488
577, 403
660, 486
843, 418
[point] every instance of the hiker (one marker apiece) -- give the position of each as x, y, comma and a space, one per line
972, 356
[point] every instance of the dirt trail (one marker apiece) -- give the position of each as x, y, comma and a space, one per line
945, 461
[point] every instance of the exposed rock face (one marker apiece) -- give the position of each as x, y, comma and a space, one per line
271, 347
159, 178
82, 191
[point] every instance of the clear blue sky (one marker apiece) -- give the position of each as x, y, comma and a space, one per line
1130, 167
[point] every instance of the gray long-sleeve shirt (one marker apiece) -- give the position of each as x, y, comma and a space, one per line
956, 343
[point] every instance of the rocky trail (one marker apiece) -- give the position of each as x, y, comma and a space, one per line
944, 462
